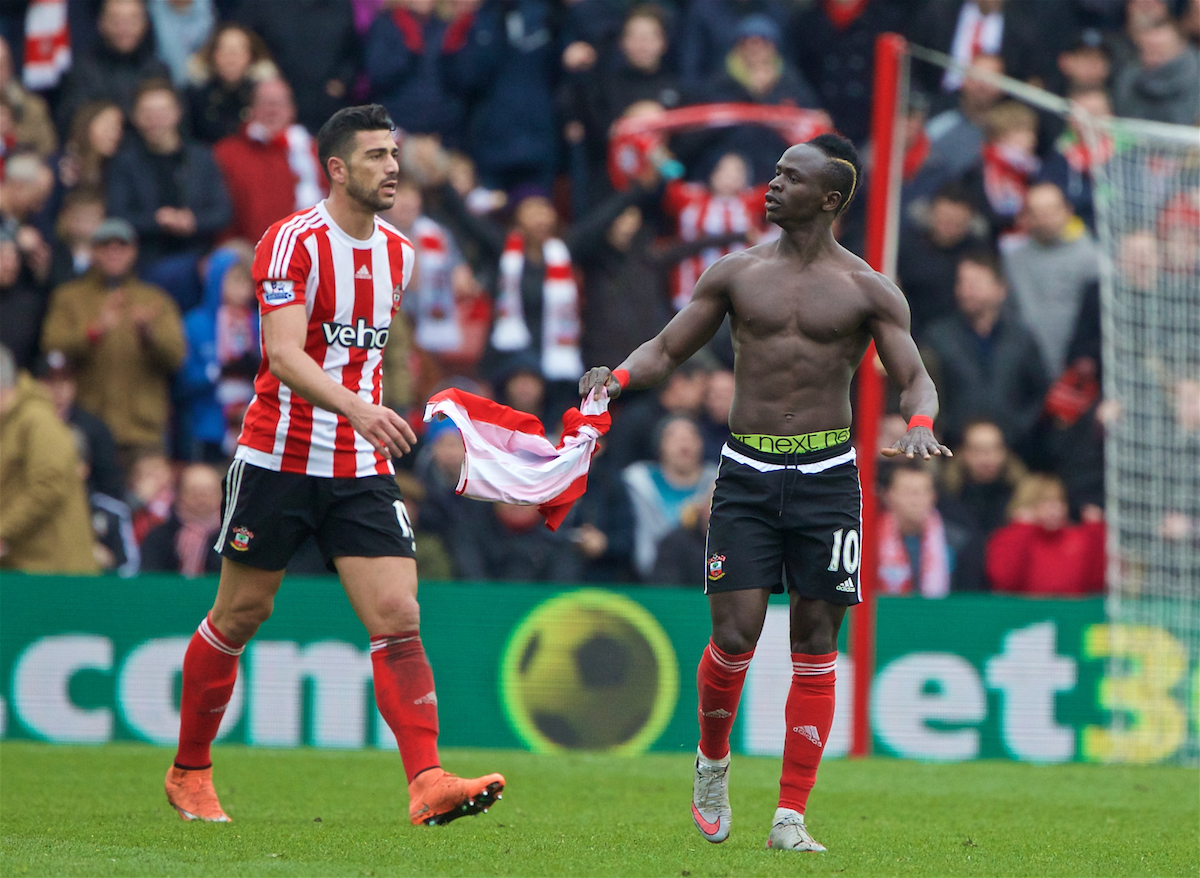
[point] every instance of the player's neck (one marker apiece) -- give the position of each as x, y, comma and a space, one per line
352, 217
807, 242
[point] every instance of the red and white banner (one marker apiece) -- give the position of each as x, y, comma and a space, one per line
510, 460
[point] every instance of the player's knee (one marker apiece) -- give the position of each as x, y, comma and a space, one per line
733, 641
815, 643
395, 613
241, 621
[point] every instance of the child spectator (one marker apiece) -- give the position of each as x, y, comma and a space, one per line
1008, 161
223, 74
727, 205
1041, 552
216, 381
151, 492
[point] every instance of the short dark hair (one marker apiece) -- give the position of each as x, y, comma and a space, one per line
338, 132
985, 258
155, 83
844, 168
955, 191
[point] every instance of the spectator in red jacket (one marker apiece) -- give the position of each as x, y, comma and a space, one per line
270, 166
1040, 551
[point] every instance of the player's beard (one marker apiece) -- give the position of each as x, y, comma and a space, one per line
367, 197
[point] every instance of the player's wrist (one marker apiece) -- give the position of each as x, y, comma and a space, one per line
622, 377
921, 421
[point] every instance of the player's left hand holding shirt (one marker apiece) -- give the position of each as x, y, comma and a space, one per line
284, 331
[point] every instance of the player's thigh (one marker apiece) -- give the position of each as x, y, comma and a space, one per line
744, 548
382, 592
245, 599
363, 518
265, 516
823, 542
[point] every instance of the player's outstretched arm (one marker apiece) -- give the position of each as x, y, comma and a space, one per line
284, 331
890, 326
688, 331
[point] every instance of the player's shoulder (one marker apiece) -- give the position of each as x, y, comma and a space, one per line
291, 229
876, 287
395, 237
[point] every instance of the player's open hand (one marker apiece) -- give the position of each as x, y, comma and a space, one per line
601, 376
388, 433
918, 442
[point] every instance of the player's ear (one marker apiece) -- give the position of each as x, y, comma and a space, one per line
833, 200
338, 171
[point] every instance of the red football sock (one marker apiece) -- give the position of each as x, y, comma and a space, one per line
809, 713
405, 696
719, 682
209, 671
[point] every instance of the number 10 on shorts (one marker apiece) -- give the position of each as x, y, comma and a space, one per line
846, 551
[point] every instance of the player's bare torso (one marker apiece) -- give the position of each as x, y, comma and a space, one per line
799, 332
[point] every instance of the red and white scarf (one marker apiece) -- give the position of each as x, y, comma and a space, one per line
434, 308
194, 541
1006, 174
302, 160
895, 568
509, 459
1080, 158
561, 359
47, 44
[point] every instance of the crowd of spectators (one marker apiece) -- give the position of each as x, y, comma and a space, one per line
137, 177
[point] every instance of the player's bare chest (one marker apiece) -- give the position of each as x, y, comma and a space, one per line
817, 305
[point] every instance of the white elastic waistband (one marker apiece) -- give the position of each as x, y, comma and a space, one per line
817, 467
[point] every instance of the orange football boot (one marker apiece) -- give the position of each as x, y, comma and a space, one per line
191, 793
436, 796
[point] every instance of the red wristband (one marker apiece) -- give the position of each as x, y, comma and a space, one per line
622, 376
921, 421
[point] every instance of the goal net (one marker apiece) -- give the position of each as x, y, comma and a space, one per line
1148, 219
1146, 185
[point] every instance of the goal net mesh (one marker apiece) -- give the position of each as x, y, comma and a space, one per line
1148, 219
1146, 188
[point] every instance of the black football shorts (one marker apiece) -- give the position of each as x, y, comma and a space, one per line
267, 515
786, 521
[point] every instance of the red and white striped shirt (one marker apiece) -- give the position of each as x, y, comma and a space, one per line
350, 289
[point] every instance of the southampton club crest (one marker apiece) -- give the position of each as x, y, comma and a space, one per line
716, 566
241, 538
396, 293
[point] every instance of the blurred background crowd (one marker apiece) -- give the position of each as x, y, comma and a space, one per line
139, 171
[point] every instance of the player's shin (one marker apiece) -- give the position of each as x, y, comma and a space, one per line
809, 714
406, 698
719, 681
209, 672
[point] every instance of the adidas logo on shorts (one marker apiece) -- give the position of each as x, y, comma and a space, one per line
846, 585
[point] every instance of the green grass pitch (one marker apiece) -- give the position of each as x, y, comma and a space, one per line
101, 811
